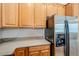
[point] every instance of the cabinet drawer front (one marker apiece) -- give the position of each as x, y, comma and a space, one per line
20, 52
19, 49
45, 52
35, 53
36, 48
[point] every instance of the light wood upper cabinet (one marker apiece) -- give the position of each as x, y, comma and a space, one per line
10, 15
61, 10
51, 9
26, 15
72, 9
0, 15
40, 15
75, 7
68, 10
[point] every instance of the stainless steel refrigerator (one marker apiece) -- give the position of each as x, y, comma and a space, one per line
67, 28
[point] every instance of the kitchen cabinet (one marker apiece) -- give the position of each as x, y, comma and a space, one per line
72, 9
55, 9
40, 15
26, 15
21, 52
75, 7
42, 50
68, 10
9, 15
51, 9
61, 10
40, 53
45, 52
0, 15
35, 53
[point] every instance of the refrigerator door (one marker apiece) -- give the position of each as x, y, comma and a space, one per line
73, 35
59, 29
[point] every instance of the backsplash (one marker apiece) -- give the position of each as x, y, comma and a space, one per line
12, 33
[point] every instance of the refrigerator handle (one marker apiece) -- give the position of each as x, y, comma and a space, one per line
66, 32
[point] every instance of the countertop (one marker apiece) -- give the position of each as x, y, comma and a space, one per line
8, 47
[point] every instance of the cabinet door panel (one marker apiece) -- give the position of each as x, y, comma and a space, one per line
51, 9
9, 15
61, 10
72, 9
37, 48
45, 52
35, 53
26, 15
40, 15
76, 9
68, 10
0, 15
20, 52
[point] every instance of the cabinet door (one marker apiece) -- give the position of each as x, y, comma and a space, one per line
76, 9
35, 53
61, 10
45, 52
72, 9
40, 15
51, 9
0, 15
20, 52
10, 15
26, 15
68, 10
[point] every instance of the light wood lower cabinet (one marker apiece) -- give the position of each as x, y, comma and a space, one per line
40, 53
43, 50
35, 53
21, 52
